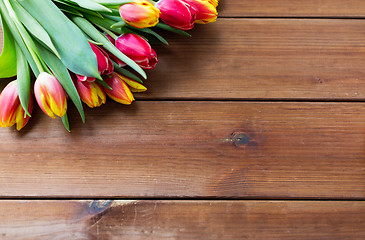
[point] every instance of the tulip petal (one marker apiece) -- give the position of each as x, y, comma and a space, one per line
133, 85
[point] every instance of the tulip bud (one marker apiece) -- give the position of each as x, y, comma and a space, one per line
206, 11
139, 13
138, 49
177, 13
105, 65
90, 93
11, 111
120, 91
50, 95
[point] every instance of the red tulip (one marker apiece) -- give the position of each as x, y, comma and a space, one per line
11, 111
177, 13
138, 49
105, 65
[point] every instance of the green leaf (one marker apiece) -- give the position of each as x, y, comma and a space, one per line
118, 24
8, 54
71, 44
61, 4
90, 5
89, 29
71, 10
62, 74
23, 78
149, 31
172, 29
33, 26
65, 122
6, 19
113, 2
126, 73
106, 23
114, 18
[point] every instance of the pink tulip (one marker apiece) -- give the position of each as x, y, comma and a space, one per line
50, 95
177, 13
11, 111
120, 91
138, 49
105, 65
90, 93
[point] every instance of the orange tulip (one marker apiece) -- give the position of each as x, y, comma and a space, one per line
139, 14
90, 93
206, 11
50, 95
120, 91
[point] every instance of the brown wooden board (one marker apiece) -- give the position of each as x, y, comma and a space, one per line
105, 220
292, 8
263, 59
190, 149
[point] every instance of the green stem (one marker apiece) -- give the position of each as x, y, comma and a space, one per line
110, 33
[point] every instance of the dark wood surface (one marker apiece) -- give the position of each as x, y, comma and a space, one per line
191, 149
254, 128
279, 220
263, 59
292, 8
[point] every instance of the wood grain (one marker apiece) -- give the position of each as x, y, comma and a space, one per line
105, 220
292, 8
263, 59
190, 149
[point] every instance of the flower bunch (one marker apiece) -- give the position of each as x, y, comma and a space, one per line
84, 50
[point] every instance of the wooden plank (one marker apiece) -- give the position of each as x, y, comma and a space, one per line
88, 220
190, 149
263, 59
292, 8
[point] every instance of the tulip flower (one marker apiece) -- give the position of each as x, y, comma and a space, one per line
105, 65
11, 111
177, 13
138, 49
139, 13
206, 11
120, 91
90, 93
134, 86
50, 95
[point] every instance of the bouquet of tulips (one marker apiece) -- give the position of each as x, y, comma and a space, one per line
84, 50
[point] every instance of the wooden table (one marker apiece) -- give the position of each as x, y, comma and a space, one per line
254, 128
